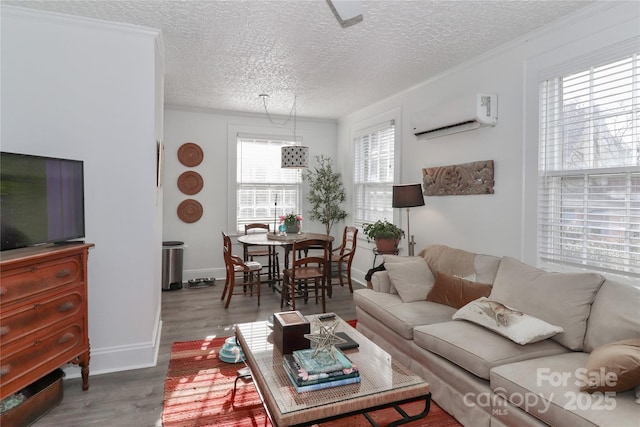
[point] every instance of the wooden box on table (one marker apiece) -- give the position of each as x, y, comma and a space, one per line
289, 328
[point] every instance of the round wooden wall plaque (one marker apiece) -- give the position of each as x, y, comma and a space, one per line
190, 182
189, 211
190, 154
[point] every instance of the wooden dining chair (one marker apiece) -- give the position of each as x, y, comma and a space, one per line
236, 268
342, 256
304, 271
270, 252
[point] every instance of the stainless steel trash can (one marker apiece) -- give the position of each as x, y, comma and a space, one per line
172, 255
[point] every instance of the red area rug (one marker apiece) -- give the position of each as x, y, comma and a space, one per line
198, 393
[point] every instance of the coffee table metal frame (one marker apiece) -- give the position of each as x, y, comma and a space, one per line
385, 383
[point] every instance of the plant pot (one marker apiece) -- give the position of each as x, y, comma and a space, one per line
293, 228
387, 245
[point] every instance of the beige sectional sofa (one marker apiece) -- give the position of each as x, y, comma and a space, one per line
485, 379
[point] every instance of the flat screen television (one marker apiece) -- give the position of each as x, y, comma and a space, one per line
41, 200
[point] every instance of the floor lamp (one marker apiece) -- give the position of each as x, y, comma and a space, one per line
408, 196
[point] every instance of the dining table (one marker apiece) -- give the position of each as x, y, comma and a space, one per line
286, 242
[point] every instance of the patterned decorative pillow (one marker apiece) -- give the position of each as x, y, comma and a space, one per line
515, 325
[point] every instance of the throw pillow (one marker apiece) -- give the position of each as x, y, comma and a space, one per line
455, 291
614, 367
396, 258
413, 280
562, 299
515, 325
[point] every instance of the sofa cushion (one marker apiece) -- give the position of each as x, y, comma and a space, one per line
547, 387
412, 278
515, 325
455, 291
477, 349
445, 259
614, 367
399, 316
562, 299
486, 267
614, 314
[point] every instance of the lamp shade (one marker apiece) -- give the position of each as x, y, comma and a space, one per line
407, 196
295, 156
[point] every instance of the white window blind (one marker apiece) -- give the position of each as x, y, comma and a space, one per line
261, 182
373, 173
589, 167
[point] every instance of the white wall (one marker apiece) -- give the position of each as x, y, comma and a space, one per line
82, 89
493, 224
215, 132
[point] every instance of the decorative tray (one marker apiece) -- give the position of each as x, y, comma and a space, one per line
287, 237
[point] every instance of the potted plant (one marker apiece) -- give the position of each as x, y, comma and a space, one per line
326, 193
292, 222
386, 235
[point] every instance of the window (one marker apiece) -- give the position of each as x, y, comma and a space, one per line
373, 173
261, 182
589, 167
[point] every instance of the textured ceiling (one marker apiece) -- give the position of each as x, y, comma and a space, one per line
223, 54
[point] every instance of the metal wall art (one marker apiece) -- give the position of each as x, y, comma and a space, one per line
459, 180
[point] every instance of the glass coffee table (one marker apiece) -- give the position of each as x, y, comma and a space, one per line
384, 382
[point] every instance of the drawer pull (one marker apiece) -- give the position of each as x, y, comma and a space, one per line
63, 273
66, 306
65, 338
4, 370
3, 291
4, 330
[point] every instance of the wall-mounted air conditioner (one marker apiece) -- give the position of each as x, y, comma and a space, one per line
460, 115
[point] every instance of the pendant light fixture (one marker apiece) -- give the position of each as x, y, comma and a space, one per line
292, 156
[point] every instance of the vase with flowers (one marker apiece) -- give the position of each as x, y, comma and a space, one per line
292, 222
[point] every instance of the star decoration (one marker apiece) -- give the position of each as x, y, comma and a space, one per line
325, 339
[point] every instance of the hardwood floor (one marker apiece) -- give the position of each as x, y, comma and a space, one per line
134, 398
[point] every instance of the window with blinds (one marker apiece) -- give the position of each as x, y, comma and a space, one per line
264, 189
589, 167
373, 173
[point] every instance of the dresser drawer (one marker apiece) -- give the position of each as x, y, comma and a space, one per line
31, 280
40, 354
42, 313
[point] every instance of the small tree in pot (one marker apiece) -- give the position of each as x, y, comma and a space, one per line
386, 235
326, 193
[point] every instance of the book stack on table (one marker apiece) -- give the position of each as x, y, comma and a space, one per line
309, 373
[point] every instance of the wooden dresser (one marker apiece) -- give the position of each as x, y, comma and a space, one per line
43, 313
